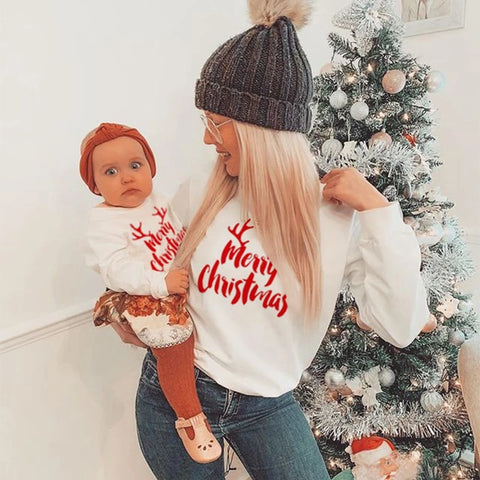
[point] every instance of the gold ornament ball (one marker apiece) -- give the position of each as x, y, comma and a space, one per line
380, 137
431, 324
394, 81
328, 69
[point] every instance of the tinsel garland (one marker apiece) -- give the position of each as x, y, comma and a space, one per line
395, 161
338, 421
444, 267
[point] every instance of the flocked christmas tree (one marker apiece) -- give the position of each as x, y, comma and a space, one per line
373, 112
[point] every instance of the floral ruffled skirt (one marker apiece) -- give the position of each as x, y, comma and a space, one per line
158, 323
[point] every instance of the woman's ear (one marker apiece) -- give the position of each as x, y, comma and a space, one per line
96, 190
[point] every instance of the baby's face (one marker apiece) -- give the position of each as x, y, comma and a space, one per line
122, 173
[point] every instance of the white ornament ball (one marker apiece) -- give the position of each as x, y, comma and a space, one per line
359, 110
338, 99
435, 81
380, 137
328, 68
331, 147
306, 377
429, 232
394, 81
334, 378
448, 234
386, 376
431, 401
456, 337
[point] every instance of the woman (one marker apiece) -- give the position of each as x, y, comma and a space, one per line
268, 248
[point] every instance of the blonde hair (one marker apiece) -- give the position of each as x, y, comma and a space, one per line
280, 192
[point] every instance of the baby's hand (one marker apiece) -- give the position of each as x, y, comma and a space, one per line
177, 281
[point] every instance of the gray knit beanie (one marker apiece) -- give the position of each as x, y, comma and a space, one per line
262, 75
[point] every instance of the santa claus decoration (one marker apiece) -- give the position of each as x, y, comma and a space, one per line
376, 458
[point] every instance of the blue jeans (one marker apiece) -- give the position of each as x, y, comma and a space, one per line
270, 435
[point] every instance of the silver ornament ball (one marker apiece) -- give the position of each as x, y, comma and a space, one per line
331, 147
334, 378
386, 377
429, 232
435, 81
338, 99
431, 401
456, 337
359, 110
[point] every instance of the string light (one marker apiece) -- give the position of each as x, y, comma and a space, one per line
350, 78
371, 65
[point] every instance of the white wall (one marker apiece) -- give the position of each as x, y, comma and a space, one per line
455, 53
66, 388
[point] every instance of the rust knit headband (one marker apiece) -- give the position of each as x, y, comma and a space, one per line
104, 133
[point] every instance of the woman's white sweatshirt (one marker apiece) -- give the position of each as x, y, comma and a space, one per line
251, 336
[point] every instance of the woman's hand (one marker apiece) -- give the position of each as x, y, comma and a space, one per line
349, 187
127, 335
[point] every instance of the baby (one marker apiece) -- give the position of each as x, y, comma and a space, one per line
132, 239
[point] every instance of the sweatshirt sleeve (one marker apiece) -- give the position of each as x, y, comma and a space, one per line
383, 272
107, 253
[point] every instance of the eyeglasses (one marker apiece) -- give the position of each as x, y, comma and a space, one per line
214, 128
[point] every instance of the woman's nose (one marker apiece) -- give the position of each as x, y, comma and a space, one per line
208, 138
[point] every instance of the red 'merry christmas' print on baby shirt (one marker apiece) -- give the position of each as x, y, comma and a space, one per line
256, 287
162, 243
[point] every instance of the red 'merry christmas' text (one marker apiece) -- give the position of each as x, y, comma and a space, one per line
248, 289
163, 243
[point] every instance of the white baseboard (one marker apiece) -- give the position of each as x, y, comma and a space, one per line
19, 336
